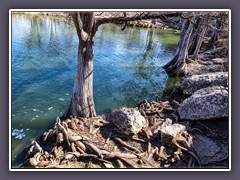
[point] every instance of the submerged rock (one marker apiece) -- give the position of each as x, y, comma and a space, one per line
209, 150
128, 120
206, 103
195, 82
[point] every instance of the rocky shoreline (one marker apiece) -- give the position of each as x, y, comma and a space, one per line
188, 128
191, 133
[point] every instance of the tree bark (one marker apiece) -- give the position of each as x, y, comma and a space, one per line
175, 58
199, 42
177, 65
194, 38
82, 102
216, 31
198, 36
121, 17
215, 34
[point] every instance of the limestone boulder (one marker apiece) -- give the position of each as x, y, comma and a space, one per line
191, 84
206, 103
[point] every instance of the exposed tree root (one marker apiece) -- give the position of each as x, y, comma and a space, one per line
120, 164
124, 144
119, 155
129, 163
84, 140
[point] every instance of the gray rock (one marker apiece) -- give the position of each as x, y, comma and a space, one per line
209, 150
206, 103
128, 120
195, 82
196, 69
213, 53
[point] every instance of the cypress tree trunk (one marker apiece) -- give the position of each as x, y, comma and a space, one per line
177, 65
215, 34
198, 36
82, 102
199, 41
194, 38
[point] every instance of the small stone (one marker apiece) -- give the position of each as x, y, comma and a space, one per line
169, 133
161, 125
173, 130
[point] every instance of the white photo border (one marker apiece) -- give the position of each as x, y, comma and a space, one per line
116, 10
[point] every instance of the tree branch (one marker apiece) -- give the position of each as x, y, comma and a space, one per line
118, 18
78, 22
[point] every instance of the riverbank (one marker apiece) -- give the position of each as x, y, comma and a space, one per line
134, 51
171, 134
